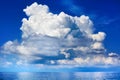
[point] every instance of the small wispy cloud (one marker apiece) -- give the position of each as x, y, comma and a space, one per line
72, 8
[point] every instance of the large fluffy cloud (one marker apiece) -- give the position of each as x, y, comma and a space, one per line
49, 38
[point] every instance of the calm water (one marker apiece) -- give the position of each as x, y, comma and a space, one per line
60, 76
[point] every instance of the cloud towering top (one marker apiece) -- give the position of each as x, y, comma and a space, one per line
43, 22
58, 39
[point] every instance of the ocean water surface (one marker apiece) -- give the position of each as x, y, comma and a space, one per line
59, 76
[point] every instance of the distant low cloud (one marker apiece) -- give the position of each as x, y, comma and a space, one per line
113, 54
58, 39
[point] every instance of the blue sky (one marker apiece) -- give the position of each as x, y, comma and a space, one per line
104, 14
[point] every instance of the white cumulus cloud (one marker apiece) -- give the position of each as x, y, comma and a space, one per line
68, 39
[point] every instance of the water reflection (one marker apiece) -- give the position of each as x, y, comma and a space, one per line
45, 76
35, 76
60, 76
89, 75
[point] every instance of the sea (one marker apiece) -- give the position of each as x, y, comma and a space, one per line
59, 75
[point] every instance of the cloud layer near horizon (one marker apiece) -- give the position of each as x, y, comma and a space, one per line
59, 39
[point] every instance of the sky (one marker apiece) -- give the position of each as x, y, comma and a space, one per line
59, 34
